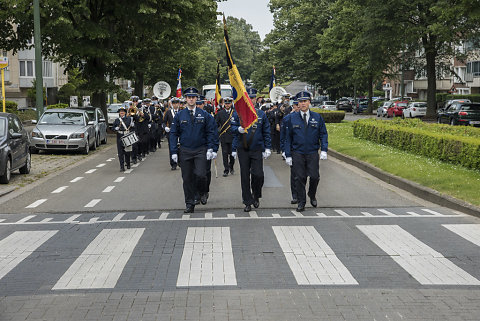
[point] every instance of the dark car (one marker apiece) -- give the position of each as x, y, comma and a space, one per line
14, 147
361, 106
460, 113
344, 104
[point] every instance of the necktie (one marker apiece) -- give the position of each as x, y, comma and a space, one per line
191, 115
305, 119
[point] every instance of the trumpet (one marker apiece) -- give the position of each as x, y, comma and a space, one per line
132, 110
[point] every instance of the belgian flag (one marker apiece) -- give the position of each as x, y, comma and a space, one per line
243, 105
218, 92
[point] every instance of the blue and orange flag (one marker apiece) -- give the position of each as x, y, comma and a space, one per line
243, 105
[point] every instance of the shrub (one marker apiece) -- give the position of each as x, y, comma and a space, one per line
443, 97
330, 116
10, 106
57, 106
431, 140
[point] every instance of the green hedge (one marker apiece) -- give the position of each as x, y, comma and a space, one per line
10, 106
57, 106
330, 116
443, 97
445, 146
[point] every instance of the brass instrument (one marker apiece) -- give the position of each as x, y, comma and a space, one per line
132, 110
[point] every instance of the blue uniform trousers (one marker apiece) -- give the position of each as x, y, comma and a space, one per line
306, 165
251, 174
193, 164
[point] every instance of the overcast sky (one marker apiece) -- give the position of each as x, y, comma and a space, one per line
255, 12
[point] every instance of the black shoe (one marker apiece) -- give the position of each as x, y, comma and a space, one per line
128, 166
134, 160
204, 198
139, 158
174, 168
225, 174
256, 203
247, 208
301, 207
313, 201
189, 209
122, 169
197, 202
294, 201
232, 171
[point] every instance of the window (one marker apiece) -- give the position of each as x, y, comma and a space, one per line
47, 69
473, 68
26, 68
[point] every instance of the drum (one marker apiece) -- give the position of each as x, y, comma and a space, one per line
129, 139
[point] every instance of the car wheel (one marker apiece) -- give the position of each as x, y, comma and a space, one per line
25, 169
452, 122
5, 178
86, 150
95, 141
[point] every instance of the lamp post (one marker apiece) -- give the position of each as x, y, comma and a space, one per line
38, 58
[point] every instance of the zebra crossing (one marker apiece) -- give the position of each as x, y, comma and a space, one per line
208, 256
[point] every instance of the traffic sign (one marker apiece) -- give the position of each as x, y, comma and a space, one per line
73, 101
86, 101
3, 62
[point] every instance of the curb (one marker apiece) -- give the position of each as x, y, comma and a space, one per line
418, 190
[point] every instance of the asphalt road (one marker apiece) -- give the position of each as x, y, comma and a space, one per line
368, 252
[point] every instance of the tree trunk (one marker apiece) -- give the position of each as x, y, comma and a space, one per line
99, 99
139, 80
370, 94
431, 55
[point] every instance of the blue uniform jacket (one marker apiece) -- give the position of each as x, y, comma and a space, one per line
122, 130
261, 140
283, 132
305, 140
202, 132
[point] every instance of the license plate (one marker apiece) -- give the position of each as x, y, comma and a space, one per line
475, 122
56, 142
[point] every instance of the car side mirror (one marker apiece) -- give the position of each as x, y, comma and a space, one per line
102, 120
15, 135
91, 123
34, 121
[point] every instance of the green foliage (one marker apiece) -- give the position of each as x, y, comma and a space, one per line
57, 106
32, 92
443, 97
330, 116
431, 140
122, 95
10, 106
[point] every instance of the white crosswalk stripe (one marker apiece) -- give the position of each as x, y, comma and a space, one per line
103, 261
310, 258
425, 264
18, 246
470, 232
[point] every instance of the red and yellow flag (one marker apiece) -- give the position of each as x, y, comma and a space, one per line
243, 105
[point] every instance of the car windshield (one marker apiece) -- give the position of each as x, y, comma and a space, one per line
91, 115
475, 107
329, 103
402, 104
210, 93
114, 108
421, 105
62, 118
3, 127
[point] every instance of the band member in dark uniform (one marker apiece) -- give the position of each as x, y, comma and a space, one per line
197, 134
224, 121
167, 123
283, 133
122, 125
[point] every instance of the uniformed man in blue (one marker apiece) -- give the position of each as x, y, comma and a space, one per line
197, 134
122, 125
251, 148
224, 121
305, 135
283, 134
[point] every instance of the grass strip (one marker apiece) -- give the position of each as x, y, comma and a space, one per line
450, 179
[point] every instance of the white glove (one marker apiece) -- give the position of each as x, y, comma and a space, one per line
283, 155
267, 153
323, 155
175, 158
289, 161
209, 154
149, 125
117, 128
234, 155
241, 130
167, 129
214, 155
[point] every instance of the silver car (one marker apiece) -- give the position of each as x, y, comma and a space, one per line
95, 114
112, 111
63, 129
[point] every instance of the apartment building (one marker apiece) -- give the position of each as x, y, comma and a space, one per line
20, 74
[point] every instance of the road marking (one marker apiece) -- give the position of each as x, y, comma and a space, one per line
110, 159
108, 189
102, 262
140, 218
470, 232
93, 202
321, 215
1, 220
23, 220
422, 262
384, 211
163, 216
310, 258
37, 203
208, 215
101, 165
367, 214
231, 215
136, 165
342, 213
45, 220
431, 211
76, 179
186, 217
91, 171
297, 214
60, 189
119, 179
72, 218
207, 258
276, 215
18, 246
93, 220
118, 217
128, 171
413, 213
253, 214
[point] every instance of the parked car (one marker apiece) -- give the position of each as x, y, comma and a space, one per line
382, 110
396, 109
451, 101
14, 147
64, 129
95, 114
112, 112
344, 104
328, 105
361, 106
415, 109
460, 114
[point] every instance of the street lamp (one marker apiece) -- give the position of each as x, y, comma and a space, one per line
38, 58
